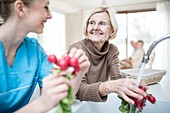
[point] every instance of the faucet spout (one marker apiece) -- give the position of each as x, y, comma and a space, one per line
153, 45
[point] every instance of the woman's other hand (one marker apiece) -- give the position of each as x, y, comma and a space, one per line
124, 87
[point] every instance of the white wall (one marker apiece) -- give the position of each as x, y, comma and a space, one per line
162, 55
53, 38
73, 27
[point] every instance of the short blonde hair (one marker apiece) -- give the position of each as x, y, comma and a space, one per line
111, 14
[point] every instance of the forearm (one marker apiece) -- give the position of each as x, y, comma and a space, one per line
104, 88
36, 106
77, 81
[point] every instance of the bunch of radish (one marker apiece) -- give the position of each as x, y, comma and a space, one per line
65, 63
139, 104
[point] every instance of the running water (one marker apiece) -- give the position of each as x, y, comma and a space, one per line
141, 73
139, 79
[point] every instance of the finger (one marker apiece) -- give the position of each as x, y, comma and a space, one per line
72, 52
131, 91
126, 98
85, 64
131, 81
79, 53
83, 58
58, 89
49, 77
56, 81
58, 97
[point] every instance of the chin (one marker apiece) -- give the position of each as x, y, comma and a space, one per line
39, 31
96, 39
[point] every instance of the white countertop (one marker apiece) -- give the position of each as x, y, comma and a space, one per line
161, 89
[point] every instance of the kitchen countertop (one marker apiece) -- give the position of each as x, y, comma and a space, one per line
160, 90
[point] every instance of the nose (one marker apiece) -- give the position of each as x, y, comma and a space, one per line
96, 26
49, 15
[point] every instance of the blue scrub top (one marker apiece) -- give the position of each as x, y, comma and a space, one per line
17, 82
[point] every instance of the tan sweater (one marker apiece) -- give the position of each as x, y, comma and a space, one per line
104, 64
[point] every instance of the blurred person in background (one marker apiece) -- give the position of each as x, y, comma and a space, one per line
135, 60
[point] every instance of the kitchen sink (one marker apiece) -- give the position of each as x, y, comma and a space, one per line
113, 103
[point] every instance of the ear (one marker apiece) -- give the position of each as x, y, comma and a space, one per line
19, 7
112, 32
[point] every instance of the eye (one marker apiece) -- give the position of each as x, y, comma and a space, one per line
102, 23
92, 22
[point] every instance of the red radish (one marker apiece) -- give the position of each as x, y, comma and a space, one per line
146, 98
151, 98
62, 63
52, 59
139, 104
73, 62
65, 62
142, 88
66, 57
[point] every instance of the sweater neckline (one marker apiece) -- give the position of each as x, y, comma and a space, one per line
93, 49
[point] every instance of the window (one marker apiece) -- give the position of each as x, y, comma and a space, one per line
134, 26
53, 37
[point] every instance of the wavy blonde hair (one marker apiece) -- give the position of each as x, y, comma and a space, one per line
111, 12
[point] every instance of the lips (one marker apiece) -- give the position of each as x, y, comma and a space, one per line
43, 23
96, 33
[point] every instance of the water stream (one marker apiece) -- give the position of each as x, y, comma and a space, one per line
139, 78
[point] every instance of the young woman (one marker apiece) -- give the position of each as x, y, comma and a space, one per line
23, 62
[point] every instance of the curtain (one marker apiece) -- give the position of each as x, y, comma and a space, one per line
162, 58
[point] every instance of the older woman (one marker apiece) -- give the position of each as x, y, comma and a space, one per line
104, 75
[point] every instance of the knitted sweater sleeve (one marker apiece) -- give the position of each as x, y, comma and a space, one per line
114, 63
88, 91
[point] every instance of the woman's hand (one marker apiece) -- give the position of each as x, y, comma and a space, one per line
125, 88
84, 66
55, 88
82, 59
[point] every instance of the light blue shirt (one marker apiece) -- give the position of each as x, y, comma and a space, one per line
17, 82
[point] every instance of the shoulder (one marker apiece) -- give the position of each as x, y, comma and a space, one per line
113, 49
29, 40
32, 43
78, 44
33, 47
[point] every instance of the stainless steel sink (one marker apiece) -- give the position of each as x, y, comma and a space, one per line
113, 103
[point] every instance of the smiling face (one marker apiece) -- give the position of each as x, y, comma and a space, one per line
99, 28
38, 13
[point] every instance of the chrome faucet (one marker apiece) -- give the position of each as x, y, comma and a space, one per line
146, 56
